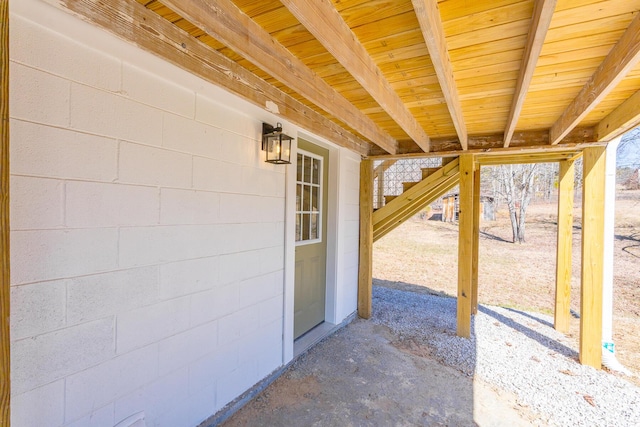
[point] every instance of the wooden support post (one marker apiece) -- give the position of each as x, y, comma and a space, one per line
592, 256
562, 314
365, 275
476, 240
465, 245
380, 188
5, 343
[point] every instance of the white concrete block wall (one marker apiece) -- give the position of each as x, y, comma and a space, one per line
349, 232
147, 240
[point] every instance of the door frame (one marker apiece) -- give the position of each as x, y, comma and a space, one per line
290, 244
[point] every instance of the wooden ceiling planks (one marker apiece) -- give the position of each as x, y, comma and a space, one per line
509, 49
621, 59
286, 29
303, 45
594, 11
489, 19
485, 43
587, 34
540, 21
451, 10
488, 35
358, 14
623, 91
254, 8
326, 24
574, 49
379, 29
623, 117
435, 38
486, 75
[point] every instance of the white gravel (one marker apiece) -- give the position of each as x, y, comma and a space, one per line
514, 351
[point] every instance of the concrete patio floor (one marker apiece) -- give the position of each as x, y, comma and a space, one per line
365, 375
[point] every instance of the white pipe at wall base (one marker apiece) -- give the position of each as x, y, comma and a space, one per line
608, 348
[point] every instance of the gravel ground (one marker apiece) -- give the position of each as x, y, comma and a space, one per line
514, 351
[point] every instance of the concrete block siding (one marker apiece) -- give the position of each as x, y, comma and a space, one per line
148, 248
147, 239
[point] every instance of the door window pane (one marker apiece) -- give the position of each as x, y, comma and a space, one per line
308, 198
316, 171
305, 226
315, 206
307, 169
314, 232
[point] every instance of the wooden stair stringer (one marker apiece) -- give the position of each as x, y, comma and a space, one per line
384, 227
414, 199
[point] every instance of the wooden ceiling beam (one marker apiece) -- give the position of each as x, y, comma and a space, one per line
515, 151
522, 158
224, 21
620, 120
542, 14
433, 32
620, 60
149, 31
522, 142
323, 21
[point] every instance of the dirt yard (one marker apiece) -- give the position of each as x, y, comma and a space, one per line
424, 252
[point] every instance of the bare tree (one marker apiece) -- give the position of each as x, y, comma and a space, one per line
628, 153
514, 184
546, 181
628, 159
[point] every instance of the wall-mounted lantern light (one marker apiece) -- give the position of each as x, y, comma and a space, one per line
276, 144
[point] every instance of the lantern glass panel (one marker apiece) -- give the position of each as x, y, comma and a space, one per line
286, 148
273, 148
